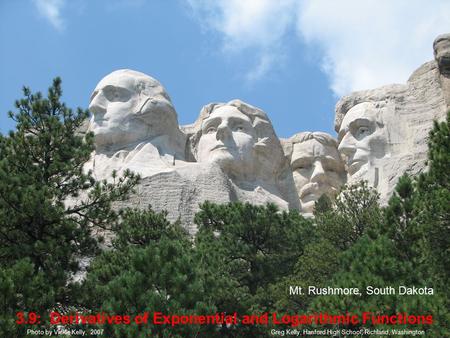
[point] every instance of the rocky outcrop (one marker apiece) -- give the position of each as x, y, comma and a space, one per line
231, 152
383, 132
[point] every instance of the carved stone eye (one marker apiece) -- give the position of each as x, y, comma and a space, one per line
211, 130
302, 167
116, 94
363, 131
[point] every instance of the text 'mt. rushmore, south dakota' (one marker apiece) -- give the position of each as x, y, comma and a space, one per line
231, 152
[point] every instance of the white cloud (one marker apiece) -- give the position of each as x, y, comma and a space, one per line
265, 62
51, 10
363, 44
255, 25
370, 43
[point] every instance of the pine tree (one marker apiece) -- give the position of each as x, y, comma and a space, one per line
433, 202
339, 224
323, 204
48, 205
245, 250
150, 268
409, 246
354, 211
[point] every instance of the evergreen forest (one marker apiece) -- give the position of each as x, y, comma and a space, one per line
55, 217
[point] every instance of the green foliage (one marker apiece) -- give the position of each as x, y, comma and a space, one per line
338, 225
408, 245
244, 251
258, 244
22, 288
48, 205
323, 204
439, 155
243, 259
376, 263
319, 262
151, 268
399, 221
354, 211
433, 195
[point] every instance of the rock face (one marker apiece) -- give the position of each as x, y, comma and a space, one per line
135, 126
181, 191
231, 152
441, 48
317, 167
240, 139
383, 132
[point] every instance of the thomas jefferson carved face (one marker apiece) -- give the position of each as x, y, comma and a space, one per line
129, 106
362, 137
317, 169
227, 138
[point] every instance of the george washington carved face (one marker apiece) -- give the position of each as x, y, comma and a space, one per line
129, 106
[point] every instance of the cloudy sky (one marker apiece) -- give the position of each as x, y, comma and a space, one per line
292, 58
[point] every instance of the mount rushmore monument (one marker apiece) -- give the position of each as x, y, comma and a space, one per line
232, 153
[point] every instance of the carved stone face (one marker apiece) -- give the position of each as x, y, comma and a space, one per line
123, 114
227, 138
317, 169
362, 137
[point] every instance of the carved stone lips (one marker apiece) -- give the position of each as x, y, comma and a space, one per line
314, 190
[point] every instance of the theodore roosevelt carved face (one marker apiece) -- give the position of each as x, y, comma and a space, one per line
317, 167
362, 137
129, 107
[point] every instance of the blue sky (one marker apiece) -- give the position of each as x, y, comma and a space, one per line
291, 58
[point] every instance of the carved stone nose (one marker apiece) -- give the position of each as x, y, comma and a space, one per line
98, 104
347, 146
318, 172
223, 131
